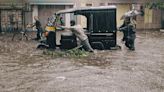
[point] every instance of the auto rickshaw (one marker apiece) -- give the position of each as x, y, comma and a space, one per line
101, 26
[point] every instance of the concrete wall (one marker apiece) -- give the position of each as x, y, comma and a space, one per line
151, 20
44, 12
121, 9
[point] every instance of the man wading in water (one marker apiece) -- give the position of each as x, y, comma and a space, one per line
79, 32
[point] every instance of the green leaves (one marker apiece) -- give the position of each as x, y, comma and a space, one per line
74, 53
155, 5
77, 53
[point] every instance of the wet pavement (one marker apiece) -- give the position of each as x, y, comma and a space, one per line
25, 69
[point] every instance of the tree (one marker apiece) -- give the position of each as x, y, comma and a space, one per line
155, 5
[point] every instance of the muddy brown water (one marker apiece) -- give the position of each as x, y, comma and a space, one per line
25, 69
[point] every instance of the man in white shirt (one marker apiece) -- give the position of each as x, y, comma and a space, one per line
79, 32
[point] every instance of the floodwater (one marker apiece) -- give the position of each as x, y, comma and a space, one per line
25, 69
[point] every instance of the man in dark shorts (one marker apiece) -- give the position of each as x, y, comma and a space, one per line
38, 27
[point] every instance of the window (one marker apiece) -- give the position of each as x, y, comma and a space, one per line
88, 4
111, 4
102, 4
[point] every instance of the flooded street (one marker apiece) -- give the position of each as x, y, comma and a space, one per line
25, 69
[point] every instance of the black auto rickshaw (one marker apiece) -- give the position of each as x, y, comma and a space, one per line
101, 26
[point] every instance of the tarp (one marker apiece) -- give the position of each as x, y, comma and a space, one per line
131, 13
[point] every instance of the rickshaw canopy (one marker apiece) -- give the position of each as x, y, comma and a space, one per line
72, 10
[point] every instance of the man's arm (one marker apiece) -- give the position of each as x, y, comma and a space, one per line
67, 27
123, 28
32, 25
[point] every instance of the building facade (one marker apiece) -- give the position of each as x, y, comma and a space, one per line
45, 8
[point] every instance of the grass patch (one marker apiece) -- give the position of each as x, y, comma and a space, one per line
73, 53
